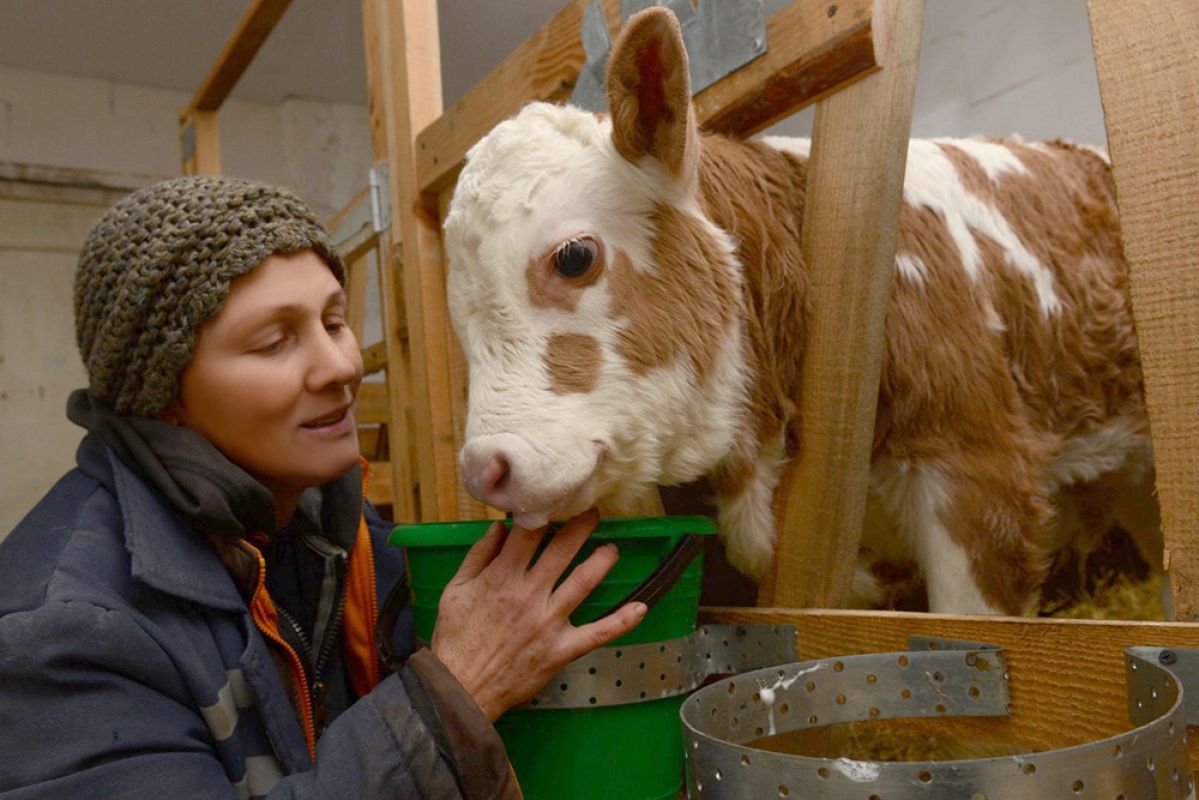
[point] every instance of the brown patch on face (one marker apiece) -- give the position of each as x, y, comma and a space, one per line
685, 305
573, 361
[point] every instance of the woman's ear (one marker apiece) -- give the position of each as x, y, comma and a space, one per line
649, 94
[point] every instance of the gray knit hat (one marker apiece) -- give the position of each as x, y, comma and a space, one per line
159, 264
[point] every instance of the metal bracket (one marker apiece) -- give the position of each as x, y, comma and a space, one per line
1144, 697
721, 36
943, 678
189, 140
635, 673
380, 197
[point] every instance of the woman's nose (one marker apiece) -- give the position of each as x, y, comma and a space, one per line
336, 360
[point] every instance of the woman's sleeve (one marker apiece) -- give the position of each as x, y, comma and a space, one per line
92, 707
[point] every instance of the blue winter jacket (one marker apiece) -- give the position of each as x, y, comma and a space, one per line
130, 666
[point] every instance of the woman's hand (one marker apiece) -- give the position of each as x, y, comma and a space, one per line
503, 630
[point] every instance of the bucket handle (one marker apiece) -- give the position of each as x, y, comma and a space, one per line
649, 591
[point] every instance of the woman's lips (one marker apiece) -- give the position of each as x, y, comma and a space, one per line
334, 424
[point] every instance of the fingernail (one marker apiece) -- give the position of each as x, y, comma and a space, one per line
639, 609
612, 546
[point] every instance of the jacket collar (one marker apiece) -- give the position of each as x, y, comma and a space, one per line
165, 553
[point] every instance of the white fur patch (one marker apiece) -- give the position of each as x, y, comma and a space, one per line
931, 181
1122, 442
912, 268
746, 520
915, 496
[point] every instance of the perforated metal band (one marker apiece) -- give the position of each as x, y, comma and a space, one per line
632, 674
721, 720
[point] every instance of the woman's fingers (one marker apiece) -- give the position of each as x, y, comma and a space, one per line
482, 552
585, 638
565, 545
584, 578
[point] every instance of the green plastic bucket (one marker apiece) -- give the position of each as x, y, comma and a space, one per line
624, 752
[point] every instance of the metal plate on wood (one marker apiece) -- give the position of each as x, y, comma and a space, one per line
635, 673
721, 36
722, 720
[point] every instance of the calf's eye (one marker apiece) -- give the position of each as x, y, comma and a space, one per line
575, 257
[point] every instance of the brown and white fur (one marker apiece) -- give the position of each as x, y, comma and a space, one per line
1011, 385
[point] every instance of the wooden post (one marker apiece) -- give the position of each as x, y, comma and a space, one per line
198, 133
200, 143
855, 185
411, 78
1149, 81
400, 433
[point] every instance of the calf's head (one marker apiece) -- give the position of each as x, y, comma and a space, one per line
596, 305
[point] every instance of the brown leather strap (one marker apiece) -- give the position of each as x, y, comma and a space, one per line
663, 579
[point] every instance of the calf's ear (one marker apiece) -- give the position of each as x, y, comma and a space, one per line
649, 94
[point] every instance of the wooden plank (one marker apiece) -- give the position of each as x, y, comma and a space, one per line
1149, 83
202, 129
255, 25
406, 445
374, 358
356, 270
814, 48
372, 407
1067, 676
379, 488
855, 185
413, 68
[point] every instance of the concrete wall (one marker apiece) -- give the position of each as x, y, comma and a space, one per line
320, 150
1001, 67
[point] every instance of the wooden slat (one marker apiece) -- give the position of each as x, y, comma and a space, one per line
412, 74
255, 25
372, 407
811, 53
1149, 81
206, 155
855, 184
1067, 676
544, 67
356, 270
815, 49
374, 358
387, 118
379, 489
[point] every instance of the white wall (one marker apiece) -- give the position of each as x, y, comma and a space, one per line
320, 150
1002, 67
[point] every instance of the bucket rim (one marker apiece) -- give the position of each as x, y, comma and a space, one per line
467, 532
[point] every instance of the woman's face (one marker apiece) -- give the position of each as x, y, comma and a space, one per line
274, 375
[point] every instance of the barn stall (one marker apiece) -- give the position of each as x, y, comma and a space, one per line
1074, 685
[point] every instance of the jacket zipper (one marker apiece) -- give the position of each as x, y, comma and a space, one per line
266, 629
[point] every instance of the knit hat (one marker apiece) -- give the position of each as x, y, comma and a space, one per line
159, 264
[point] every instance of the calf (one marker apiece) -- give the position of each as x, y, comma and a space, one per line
633, 305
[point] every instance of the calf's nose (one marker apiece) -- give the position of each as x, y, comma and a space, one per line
486, 476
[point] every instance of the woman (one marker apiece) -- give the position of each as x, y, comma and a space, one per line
191, 611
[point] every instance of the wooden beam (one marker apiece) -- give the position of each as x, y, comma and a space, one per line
855, 185
374, 358
1149, 82
1067, 676
400, 477
256, 24
814, 48
406, 77
200, 143
372, 406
